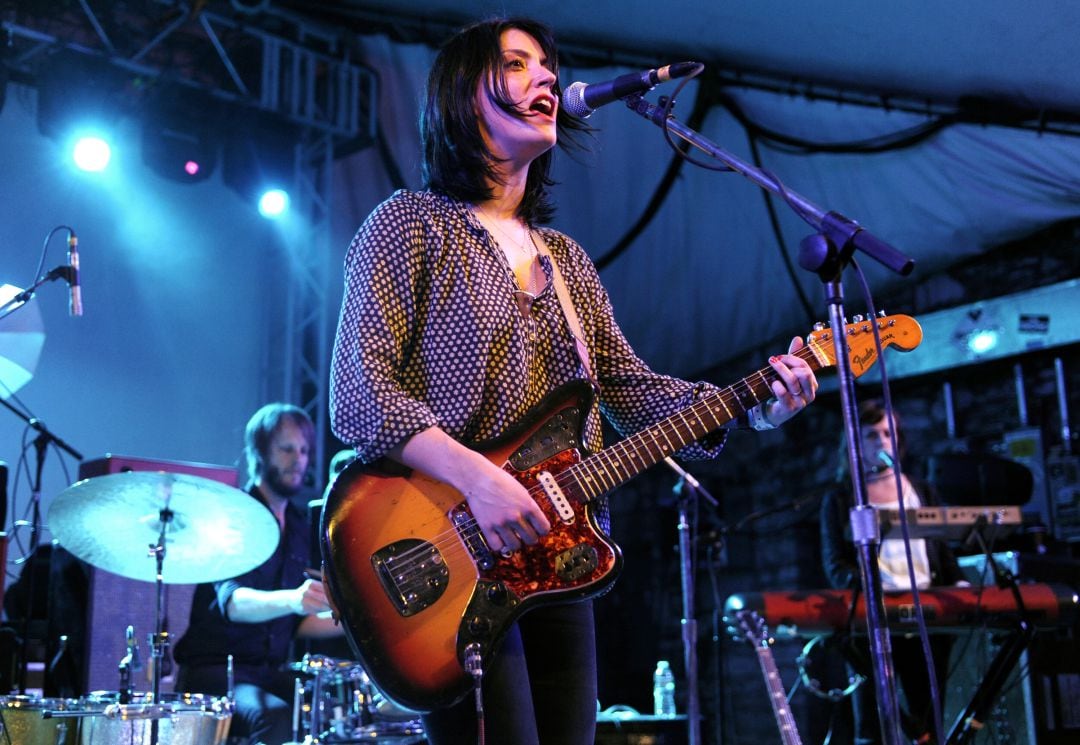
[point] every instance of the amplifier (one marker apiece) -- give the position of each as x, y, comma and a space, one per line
1063, 480
109, 463
118, 602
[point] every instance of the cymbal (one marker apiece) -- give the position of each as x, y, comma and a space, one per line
216, 531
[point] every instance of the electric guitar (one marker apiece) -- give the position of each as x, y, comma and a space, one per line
748, 625
421, 596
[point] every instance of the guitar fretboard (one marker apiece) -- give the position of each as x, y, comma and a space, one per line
602, 472
785, 720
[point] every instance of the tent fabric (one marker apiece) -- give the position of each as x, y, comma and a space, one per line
705, 281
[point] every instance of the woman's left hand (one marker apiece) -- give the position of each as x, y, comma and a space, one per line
795, 389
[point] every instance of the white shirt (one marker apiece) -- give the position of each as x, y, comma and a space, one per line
892, 559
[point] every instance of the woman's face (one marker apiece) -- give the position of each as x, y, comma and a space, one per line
529, 131
877, 450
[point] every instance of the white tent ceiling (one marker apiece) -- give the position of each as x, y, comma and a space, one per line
706, 281
999, 49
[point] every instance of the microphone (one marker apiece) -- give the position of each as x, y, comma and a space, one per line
886, 460
75, 306
581, 99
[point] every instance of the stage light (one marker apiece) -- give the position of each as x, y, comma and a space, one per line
91, 153
259, 154
178, 138
978, 331
274, 203
982, 341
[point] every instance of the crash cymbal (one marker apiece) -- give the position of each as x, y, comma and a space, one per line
216, 531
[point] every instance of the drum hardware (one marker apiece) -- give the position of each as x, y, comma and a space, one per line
129, 664
177, 719
210, 531
346, 707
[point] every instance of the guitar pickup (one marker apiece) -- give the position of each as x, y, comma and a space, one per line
562, 505
576, 562
469, 533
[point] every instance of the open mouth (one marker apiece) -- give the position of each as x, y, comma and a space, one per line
544, 106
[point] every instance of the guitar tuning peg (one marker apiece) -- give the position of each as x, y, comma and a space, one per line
819, 326
857, 319
881, 314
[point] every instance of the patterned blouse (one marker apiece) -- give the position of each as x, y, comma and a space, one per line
430, 334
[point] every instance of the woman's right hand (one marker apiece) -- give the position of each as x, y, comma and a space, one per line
507, 514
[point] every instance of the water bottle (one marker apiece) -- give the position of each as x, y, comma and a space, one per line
663, 690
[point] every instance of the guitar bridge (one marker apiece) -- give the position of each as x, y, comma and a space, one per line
412, 573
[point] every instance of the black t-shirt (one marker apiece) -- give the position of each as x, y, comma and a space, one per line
211, 636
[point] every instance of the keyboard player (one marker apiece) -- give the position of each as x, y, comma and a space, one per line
934, 566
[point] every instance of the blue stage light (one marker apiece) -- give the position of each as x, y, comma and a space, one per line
274, 203
91, 153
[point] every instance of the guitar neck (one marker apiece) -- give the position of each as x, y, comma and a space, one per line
785, 720
602, 472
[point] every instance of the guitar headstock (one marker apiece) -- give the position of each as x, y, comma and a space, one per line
902, 332
747, 625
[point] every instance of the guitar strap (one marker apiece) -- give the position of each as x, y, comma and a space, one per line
572, 321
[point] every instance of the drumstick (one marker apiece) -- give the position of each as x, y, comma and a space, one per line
315, 574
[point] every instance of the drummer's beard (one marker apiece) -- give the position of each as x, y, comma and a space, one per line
282, 486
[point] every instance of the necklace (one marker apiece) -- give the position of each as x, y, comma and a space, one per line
524, 244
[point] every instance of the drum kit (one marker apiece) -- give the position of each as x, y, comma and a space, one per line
172, 528
337, 699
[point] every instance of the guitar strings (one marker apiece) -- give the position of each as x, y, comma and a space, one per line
449, 543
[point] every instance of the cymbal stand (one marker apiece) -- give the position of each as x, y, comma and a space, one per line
160, 637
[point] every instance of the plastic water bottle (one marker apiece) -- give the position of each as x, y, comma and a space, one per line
663, 690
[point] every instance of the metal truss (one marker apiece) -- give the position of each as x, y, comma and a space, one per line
299, 71
281, 67
306, 363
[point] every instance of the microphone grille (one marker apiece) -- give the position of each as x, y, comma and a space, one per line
573, 100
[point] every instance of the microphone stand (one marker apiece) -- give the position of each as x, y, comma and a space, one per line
827, 252
686, 575
41, 445
63, 272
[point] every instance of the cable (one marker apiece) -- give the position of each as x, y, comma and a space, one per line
924, 637
697, 116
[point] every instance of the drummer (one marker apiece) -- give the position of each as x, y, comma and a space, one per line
255, 617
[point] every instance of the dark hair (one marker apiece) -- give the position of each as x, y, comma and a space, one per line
456, 160
870, 412
260, 431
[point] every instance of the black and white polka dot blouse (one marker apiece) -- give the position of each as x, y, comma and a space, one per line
430, 334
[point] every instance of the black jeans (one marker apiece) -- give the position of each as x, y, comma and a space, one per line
539, 689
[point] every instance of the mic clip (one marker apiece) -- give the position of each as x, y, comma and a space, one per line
65, 272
